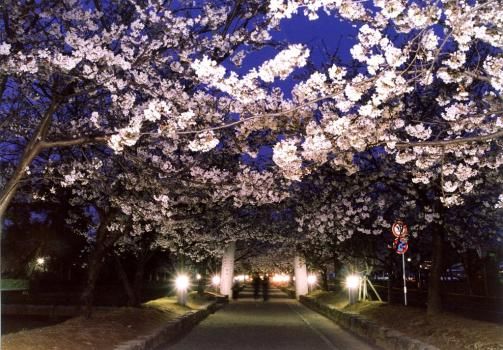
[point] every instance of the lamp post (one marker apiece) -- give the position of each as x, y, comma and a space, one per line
182, 285
352, 284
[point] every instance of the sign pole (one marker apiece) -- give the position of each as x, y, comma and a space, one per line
404, 281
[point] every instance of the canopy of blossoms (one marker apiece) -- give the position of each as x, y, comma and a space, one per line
146, 108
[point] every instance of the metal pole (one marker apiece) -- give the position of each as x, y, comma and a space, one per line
404, 281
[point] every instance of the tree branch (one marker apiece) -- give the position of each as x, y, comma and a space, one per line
74, 142
495, 135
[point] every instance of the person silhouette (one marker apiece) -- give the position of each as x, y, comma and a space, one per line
265, 287
256, 285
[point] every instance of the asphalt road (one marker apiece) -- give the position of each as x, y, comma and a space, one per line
279, 323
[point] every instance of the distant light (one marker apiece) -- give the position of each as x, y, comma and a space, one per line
352, 281
198, 276
182, 282
409, 259
215, 280
40, 261
240, 278
280, 278
311, 279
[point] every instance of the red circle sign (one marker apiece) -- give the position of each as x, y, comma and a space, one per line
399, 229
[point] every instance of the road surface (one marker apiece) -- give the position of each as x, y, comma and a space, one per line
279, 323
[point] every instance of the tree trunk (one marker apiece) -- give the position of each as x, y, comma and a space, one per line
389, 271
201, 283
139, 277
132, 301
32, 150
94, 268
434, 301
104, 240
324, 279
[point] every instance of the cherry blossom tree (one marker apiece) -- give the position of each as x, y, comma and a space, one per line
80, 72
145, 111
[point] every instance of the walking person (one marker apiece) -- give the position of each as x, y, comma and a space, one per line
256, 285
265, 288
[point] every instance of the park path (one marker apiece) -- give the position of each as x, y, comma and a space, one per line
279, 323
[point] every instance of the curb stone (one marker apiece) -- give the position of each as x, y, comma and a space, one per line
382, 337
170, 330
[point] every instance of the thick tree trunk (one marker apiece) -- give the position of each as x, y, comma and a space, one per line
434, 302
202, 282
139, 277
132, 301
468, 273
32, 150
104, 240
324, 279
94, 268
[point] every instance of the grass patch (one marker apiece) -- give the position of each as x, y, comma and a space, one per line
446, 330
105, 329
7, 284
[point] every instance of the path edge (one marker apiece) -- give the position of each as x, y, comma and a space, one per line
171, 330
382, 337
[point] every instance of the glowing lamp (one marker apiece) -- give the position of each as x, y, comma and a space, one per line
40, 261
311, 279
198, 277
215, 280
352, 281
182, 282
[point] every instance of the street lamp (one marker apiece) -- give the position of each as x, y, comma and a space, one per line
182, 283
311, 281
198, 276
215, 281
40, 261
352, 283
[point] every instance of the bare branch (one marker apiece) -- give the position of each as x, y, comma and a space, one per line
74, 142
443, 143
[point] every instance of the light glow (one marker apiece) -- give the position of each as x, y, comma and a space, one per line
311, 279
352, 281
182, 282
240, 278
198, 276
280, 278
40, 261
215, 280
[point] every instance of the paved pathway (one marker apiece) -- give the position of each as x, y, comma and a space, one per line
279, 323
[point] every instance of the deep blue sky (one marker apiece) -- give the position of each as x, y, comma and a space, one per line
322, 36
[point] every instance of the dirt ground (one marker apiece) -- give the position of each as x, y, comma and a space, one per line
104, 330
446, 331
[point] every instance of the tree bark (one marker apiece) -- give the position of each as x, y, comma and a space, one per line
324, 279
132, 301
139, 277
434, 301
104, 240
32, 150
93, 271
